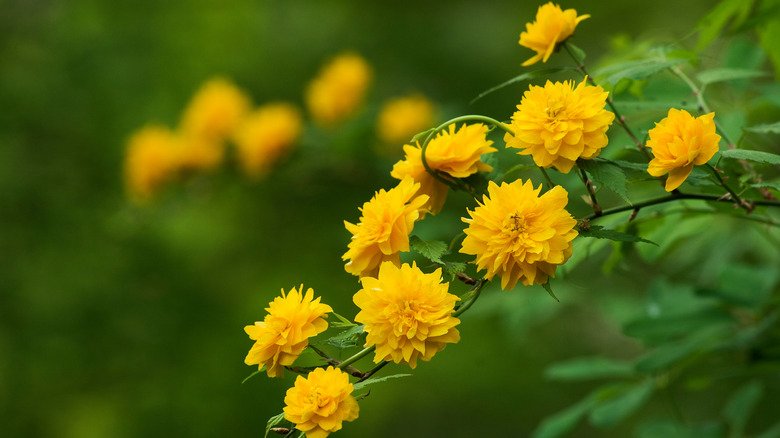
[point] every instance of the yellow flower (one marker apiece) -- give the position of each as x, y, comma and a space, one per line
557, 124
679, 142
519, 235
384, 228
455, 153
151, 159
215, 110
407, 313
552, 26
285, 331
320, 402
265, 135
198, 153
400, 119
338, 89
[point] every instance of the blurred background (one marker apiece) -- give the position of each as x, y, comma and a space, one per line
126, 321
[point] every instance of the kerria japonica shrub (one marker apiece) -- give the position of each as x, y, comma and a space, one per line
667, 179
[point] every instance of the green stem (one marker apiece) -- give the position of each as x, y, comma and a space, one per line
620, 119
675, 196
547, 179
748, 208
700, 102
594, 202
468, 118
357, 356
470, 302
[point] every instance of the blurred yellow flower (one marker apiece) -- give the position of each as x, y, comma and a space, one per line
151, 159
384, 228
199, 154
319, 403
679, 142
519, 235
557, 124
338, 90
455, 153
552, 26
265, 135
401, 118
407, 313
215, 110
285, 331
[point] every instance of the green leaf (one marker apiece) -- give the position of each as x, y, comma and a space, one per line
653, 330
766, 185
757, 156
623, 404
421, 136
768, 128
600, 232
673, 352
363, 384
342, 322
353, 337
587, 368
636, 70
432, 250
713, 23
549, 290
452, 269
564, 421
727, 74
740, 405
275, 421
261, 370
579, 54
608, 174
523, 77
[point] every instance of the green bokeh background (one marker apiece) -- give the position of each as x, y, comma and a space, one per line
117, 321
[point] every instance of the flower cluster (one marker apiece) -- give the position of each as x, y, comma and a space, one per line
558, 124
455, 153
280, 338
407, 313
519, 235
384, 227
679, 142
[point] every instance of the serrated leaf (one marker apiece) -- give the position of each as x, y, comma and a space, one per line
275, 421
766, 185
673, 352
757, 156
768, 128
262, 369
452, 269
626, 402
342, 322
523, 77
727, 74
563, 421
636, 70
587, 368
353, 337
607, 173
432, 250
600, 232
740, 405
363, 384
